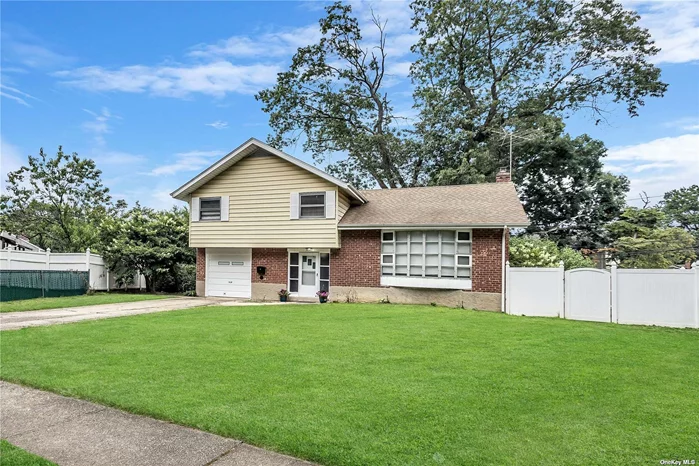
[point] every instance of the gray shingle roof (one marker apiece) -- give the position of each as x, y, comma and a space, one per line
487, 204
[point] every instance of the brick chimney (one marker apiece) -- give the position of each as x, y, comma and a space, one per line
503, 176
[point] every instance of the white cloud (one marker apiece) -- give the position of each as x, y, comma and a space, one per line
11, 159
401, 69
118, 158
218, 124
686, 124
187, 162
19, 100
273, 44
674, 25
659, 165
15, 94
174, 80
21, 47
99, 125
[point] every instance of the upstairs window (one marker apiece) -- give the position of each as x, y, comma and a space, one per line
210, 208
312, 205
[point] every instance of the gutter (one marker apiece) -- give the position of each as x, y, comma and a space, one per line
435, 226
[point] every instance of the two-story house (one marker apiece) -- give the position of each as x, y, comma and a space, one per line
262, 220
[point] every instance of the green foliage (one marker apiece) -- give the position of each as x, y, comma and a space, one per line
148, 241
681, 206
483, 65
565, 191
58, 202
532, 251
643, 239
334, 95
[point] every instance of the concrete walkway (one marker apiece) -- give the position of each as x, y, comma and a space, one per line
17, 320
73, 432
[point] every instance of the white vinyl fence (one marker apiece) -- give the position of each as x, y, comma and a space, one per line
625, 296
100, 279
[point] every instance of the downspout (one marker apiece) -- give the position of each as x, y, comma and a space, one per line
502, 280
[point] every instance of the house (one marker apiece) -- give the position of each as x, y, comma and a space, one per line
17, 242
262, 220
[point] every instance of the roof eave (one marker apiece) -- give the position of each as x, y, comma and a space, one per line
404, 226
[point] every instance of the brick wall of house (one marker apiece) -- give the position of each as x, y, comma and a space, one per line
487, 260
358, 261
201, 263
276, 262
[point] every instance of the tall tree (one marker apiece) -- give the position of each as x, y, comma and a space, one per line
147, 241
682, 208
561, 181
334, 97
57, 202
484, 65
643, 239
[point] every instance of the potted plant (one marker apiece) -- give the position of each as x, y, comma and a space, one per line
283, 295
322, 296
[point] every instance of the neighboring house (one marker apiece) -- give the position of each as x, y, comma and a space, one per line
262, 220
17, 242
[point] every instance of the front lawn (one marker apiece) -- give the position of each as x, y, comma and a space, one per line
10, 455
358, 384
38, 304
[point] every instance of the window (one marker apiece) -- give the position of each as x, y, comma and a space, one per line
325, 272
294, 272
210, 208
435, 254
312, 205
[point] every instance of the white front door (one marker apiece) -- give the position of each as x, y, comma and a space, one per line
309, 275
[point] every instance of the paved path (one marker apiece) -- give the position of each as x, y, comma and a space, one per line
16, 320
73, 432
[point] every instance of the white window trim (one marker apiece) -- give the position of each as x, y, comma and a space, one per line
318, 252
220, 209
422, 281
288, 272
427, 282
323, 205
392, 265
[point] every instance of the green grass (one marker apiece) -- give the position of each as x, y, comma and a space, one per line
10, 455
38, 304
352, 384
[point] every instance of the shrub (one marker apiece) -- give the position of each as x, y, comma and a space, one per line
532, 251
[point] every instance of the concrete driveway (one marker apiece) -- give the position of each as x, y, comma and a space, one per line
17, 320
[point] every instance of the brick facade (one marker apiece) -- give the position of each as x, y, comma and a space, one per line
358, 261
276, 262
201, 264
487, 260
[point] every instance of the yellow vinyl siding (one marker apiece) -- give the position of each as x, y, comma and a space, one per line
343, 204
259, 190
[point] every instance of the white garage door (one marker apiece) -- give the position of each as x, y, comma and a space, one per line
228, 272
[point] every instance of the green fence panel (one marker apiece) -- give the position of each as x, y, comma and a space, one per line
27, 284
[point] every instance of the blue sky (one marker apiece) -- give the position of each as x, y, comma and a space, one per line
156, 91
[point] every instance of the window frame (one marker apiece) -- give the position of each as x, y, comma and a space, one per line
324, 205
388, 269
202, 210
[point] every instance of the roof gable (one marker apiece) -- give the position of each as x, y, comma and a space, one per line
247, 148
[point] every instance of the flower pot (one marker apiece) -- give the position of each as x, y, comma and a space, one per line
283, 298
323, 299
